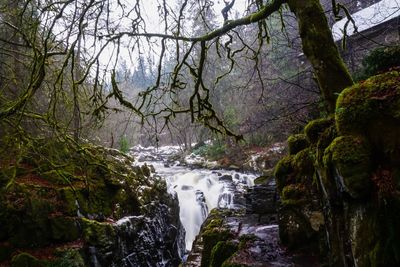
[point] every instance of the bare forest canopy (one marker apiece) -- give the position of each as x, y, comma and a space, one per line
102, 68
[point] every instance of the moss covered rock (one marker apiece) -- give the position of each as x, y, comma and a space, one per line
64, 228
99, 234
369, 100
267, 176
351, 156
294, 194
70, 257
303, 162
283, 172
295, 230
221, 252
372, 108
297, 143
57, 195
26, 260
211, 237
315, 128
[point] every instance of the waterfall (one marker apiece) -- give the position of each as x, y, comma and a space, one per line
198, 190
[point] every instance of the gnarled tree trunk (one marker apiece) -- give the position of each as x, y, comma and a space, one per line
320, 49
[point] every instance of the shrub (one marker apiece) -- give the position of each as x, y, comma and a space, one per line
123, 144
379, 60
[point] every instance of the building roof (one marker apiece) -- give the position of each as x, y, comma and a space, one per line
368, 18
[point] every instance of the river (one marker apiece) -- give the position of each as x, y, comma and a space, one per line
199, 190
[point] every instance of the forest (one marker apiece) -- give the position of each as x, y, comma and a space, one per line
233, 133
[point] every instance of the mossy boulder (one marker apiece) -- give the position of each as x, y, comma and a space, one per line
64, 228
221, 252
267, 176
58, 195
26, 260
324, 140
283, 172
70, 257
379, 60
295, 230
214, 244
99, 234
351, 157
303, 162
372, 108
297, 143
211, 237
294, 195
315, 128
26, 221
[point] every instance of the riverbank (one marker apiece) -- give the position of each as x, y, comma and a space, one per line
63, 205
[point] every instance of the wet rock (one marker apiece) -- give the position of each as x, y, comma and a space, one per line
146, 158
217, 173
229, 238
186, 187
262, 200
201, 200
332, 186
73, 211
226, 177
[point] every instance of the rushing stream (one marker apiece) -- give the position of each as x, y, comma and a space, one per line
198, 190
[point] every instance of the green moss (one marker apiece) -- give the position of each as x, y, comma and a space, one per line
303, 162
378, 60
315, 128
68, 258
27, 222
294, 194
221, 252
297, 143
61, 177
26, 260
320, 50
146, 170
245, 239
351, 156
367, 102
97, 199
64, 228
262, 180
214, 223
325, 139
101, 235
282, 171
69, 200
210, 238
295, 230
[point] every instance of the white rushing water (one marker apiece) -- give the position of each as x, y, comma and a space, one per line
198, 190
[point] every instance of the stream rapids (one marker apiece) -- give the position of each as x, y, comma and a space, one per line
199, 190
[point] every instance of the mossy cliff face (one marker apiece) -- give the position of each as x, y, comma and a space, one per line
340, 194
62, 205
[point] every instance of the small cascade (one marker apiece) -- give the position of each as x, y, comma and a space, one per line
93, 258
201, 200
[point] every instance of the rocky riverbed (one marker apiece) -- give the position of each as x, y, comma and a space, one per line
247, 236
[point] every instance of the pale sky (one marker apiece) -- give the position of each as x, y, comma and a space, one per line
154, 24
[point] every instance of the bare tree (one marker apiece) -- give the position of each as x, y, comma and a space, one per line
111, 27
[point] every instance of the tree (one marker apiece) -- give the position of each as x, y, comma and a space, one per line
110, 26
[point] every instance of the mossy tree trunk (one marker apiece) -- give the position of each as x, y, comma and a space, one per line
320, 49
